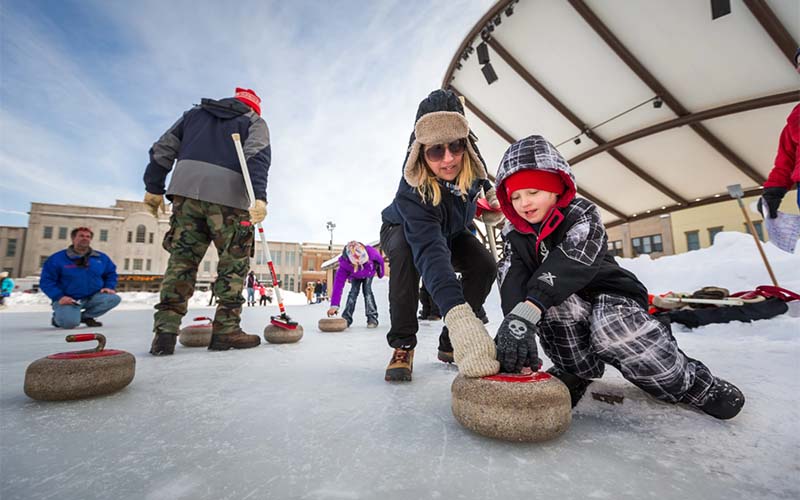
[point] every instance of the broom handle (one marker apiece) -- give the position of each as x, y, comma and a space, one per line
251, 194
752, 230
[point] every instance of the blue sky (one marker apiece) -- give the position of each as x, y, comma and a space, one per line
86, 87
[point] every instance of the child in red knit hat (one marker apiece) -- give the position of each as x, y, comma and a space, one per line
558, 282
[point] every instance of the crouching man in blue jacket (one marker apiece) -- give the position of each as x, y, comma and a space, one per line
80, 282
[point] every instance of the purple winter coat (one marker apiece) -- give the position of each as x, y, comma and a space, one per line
346, 272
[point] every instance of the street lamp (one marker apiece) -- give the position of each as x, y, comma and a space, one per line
331, 226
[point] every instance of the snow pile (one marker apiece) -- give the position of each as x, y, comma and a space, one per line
732, 262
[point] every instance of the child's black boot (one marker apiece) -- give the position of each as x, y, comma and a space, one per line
576, 385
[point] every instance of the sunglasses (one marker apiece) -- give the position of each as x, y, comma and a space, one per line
435, 152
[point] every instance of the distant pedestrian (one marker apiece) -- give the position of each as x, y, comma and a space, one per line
250, 283
262, 291
318, 292
6, 287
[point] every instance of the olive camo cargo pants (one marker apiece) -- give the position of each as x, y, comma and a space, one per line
194, 224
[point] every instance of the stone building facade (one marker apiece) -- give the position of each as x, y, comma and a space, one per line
12, 246
132, 239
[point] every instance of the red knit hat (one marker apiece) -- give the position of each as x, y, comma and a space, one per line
534, 179
249, 97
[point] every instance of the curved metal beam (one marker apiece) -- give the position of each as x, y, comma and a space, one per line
510, 139
580, 124
639, 70
772, 25
705, 201
728, 109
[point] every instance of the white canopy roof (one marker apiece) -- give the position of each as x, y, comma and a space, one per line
587, 74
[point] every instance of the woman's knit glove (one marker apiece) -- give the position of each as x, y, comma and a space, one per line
492, 218
516, 339
473, 349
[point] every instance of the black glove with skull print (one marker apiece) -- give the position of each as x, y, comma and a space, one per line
516, 339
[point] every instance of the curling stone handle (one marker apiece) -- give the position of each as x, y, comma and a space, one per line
86, 337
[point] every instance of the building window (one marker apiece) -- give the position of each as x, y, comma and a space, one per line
712, 233
43, 259
130, 236
140, 232
290, 258
149, 264
291, 283
692, 240
647, 244
260, 258
150, 240
104, 235
137, 264
11, 249
312, 263
276, 258
48, 233
758, 225
207, 266
615, 248
62, 233
127, 264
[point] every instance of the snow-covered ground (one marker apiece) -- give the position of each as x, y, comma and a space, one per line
316, 420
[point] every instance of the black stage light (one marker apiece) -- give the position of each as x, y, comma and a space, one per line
720, 8
498, 20
577, 141
483, 53
489, 74
657, 102
510, 10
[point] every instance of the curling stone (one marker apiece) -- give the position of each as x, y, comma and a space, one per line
332, 324
79, 374
198, 334
277, 335
534, 407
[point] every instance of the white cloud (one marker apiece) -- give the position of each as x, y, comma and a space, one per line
340, 86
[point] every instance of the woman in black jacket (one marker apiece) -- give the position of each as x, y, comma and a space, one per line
425, 233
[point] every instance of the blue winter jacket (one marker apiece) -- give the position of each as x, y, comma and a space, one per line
430, 231
64, 273
6, 287
207, 166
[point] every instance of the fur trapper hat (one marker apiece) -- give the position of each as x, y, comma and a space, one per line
440, 120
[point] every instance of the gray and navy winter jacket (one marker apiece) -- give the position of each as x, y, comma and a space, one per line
563, 255
207, 166
430, 230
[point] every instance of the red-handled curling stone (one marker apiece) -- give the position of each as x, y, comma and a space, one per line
533, 407
332, 324
197, 334
277, 335
80, 374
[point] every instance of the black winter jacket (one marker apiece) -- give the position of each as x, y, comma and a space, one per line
573, 259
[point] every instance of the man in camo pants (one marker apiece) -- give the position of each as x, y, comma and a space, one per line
209, 203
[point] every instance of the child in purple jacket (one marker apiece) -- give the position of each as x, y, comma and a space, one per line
358, 264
